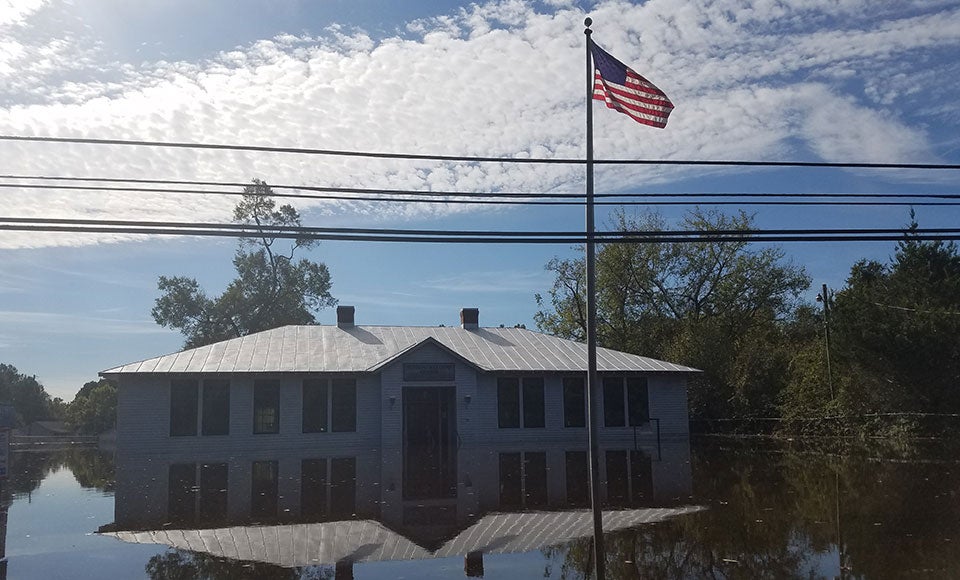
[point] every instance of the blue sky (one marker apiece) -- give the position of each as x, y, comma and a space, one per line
807, 80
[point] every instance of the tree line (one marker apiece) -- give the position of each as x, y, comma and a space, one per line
736, 311
92, 411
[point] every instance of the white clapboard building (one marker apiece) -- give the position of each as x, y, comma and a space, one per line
328, 434
392, 388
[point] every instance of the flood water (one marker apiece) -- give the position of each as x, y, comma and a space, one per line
708, 508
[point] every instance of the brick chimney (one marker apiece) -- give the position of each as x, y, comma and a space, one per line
470, 318
345, 316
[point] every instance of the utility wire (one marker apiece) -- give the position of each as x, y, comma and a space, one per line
464, 236
334, 189
471, 159
478, 198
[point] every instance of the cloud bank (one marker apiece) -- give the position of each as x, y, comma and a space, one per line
837, 80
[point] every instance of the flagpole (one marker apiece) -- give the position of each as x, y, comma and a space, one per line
593, 384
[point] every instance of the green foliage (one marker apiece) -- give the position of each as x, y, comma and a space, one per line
723, 307
94, 408
28, 397
271, 289
898, 327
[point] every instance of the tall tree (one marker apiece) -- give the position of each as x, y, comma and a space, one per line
94, 408
25, 393
272, 287
896, 330
722, 307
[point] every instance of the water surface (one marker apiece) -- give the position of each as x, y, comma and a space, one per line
713, 508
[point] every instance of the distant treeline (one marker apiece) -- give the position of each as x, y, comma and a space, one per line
92, 411
735, 311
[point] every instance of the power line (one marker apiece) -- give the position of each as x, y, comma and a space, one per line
471, 159
492, 198
466, 236
560, 195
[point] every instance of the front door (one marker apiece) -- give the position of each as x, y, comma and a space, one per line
429, 442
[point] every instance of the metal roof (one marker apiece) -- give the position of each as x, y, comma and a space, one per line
368, 348
370, 541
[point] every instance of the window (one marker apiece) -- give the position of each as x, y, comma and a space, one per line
189, 503
329, 405
625, 406
263, 489
518, 400
183, 407
182, 493
629, 478
323, 495
574, 402
578, 478
213, 493
343, 486
206, 403
508, 402
313, 488
216, 407
638, 406
315, 395
266, 407
533, 415
523, 480
613, 415
343, 404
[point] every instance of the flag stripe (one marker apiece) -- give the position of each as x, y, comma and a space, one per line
654, 113
630, 95
623, 90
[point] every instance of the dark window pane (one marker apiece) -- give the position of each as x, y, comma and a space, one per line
266, 407
182, 493
578, 479
533, 402
508, 402
213, 493
613, 415
216, 407
574, 402
343, 486
263, 491
313, 488
315, 406
637, 402
510, 481
183, 407
535, 479
618, 488
641, 476
344, 403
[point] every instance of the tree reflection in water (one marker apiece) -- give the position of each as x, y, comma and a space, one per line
184, 565
91, 468
773, 513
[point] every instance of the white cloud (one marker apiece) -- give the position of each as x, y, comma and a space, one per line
16, 12
51, 323
751, 81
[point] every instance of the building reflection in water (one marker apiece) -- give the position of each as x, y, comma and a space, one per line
429, 499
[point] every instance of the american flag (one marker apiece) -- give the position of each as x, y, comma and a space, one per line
624, 90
